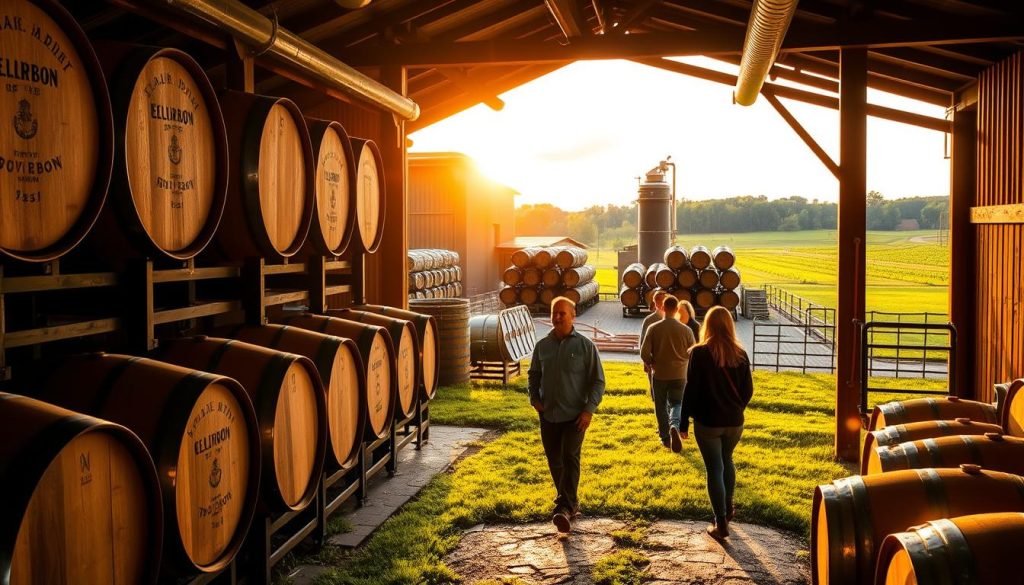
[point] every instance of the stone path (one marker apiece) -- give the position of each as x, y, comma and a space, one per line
677, 552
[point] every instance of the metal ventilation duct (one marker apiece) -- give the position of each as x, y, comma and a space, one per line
769, 20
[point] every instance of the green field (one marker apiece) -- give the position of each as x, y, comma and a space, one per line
906, 271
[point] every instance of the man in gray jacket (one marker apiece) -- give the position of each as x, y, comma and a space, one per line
566, 387
665, 351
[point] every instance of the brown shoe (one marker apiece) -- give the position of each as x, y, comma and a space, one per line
562, 521
677, 440
717, 532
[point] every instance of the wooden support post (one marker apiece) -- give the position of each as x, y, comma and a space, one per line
254, 286
316, 272
240, 69
395, 245
139, 301
962, 244
5, 371
852, 239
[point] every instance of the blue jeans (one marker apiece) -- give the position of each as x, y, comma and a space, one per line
716, 445
668, 403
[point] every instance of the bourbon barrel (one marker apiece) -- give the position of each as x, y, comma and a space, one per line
850, 517
407, 354
377, 352
677, 258
551, 277
200, 429
729, 278
630, 297
683, 294
271, 189
334, 206
921, 409
57, 147
708, 278
570, 257
896, 434
548, 294
525, 257
665, 277
545, 258
426, 336
704, 298
290, 407
512, 276
1012, 418
370, 192
700, 258
651, 276
583, 293
723, 257
728, 299
452, 317
993, 451
579, 275
81, 499
981, 549
687, 278
532, 276
508, 295
339, 365
171, 156
529, 295
633, 275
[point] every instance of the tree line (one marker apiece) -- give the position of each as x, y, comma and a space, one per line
615, 225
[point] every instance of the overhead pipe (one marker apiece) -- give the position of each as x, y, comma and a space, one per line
267, 37
769, 20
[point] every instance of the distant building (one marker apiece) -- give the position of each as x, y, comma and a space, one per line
454, 207
908, 224
506, 249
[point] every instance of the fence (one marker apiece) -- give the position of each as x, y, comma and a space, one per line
884, 350
804, 347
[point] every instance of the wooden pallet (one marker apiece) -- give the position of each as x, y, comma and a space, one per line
503, 371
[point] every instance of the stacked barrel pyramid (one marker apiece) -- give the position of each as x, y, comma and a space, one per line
540, 274
705, 278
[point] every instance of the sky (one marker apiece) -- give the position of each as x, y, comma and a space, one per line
581, 135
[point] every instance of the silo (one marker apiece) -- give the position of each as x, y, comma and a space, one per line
654, 208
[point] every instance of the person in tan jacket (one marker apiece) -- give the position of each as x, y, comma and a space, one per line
665, 351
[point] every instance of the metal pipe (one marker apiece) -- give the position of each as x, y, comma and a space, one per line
769, 20
255, 30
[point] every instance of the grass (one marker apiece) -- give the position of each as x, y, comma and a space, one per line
786, 451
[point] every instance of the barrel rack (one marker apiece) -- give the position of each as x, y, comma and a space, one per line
153, 294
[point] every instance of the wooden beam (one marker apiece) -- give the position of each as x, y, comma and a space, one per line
822, 67
394, 247
852, 241
998, 214
800, 95
569, 17
598, 7
962, 247
803, 134
635, 15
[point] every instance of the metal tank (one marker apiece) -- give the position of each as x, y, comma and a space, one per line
654, 208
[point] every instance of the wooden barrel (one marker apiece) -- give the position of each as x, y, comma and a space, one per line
81, 499
508, 295
582, 293
529, 295
378, 361
677, 258
571, 257
548, 294
417, 281
729, 278
370, 193
552, 277
633, 275
728, 299
687, 278
512, 276
981, 549
486, 342
334, 207
579, 275
665, 277
651, 276
338, 362
708, 278
896, 434
1012, 418
291, 409
649, 296
705, 298
525, 257
700, 258
993, 451
851, 516
426, 338
545, 258
683, 294
171, 155
532, 276
407, 354
57, 149
630, 297
202, 432
271, 191
723, 257
452, 316
921, 409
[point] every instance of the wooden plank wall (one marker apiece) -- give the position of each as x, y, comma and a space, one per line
999, 343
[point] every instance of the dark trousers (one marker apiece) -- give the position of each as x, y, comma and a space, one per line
716, 445
562, 446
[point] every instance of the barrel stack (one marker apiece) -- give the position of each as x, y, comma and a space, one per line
705, 278
434, 274
540, 274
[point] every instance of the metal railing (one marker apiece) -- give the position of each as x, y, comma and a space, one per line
818, 319
805, 347
887, 352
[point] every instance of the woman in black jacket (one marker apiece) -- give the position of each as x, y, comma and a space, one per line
718, 389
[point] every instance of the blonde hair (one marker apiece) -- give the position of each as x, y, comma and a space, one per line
689, 309
718, 334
